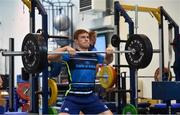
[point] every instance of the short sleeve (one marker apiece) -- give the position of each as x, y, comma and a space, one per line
100, 59
65, 57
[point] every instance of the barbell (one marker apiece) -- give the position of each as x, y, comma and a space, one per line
138, 52
21, 53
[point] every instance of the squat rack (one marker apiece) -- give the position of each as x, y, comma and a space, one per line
34, 106
120, 10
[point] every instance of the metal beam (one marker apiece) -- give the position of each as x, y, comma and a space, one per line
154, 11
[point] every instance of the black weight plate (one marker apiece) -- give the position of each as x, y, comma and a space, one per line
144, 51
115, 40
35, 46
149, 50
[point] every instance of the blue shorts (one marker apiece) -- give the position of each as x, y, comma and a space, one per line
88, 104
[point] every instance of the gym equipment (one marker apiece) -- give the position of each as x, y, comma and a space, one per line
52, 111
27, 3
166, 75
34, 52
23, 91
2, 109
61, 22
54, 92
166, 90
24, 74
175, 108
115, 40
3, 50
160, 108
25, 107
36, 47
144, 51
55, 68
163, 108
107, 76
129, 109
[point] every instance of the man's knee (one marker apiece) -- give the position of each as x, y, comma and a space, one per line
108, 112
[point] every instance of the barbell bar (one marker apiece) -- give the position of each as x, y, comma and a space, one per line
94, 52
138, 52
90, 52
13, 53
20, 53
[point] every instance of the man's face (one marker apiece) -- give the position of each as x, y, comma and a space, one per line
83, 41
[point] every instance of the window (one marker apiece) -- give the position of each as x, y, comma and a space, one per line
101, 42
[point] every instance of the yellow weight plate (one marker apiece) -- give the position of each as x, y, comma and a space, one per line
107, 76
54, 92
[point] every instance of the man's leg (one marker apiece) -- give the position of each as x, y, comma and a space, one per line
108, 112
96, 107
69, 107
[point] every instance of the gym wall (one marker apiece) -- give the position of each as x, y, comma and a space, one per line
14, 18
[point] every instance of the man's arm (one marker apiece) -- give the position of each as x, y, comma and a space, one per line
55, 57
108, 58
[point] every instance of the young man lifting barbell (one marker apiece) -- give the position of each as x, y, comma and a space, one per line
82, 75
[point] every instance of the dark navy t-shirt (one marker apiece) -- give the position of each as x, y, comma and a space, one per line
82, 71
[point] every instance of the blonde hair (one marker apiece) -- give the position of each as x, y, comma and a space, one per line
91, 34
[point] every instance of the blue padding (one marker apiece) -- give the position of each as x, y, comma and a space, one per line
2, 109
161, 105
19, 79
166, 90
176, 105
144, 104
15, 113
